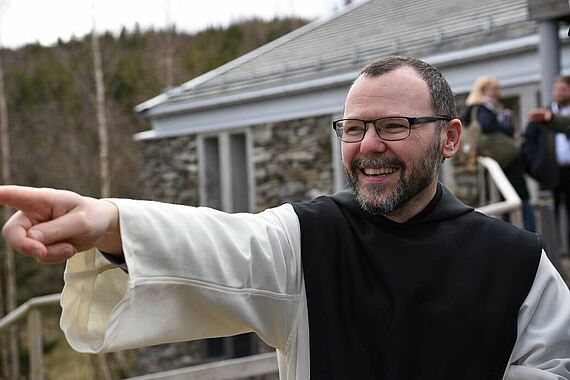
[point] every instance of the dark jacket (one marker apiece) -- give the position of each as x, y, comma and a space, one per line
488, 120
540, 150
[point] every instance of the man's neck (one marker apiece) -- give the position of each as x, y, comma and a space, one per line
415, 205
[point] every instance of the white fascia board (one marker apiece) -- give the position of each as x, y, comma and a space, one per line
173, 108
517, 68
327, 101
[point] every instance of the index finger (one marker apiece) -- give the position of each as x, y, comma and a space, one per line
37, 203
19, 197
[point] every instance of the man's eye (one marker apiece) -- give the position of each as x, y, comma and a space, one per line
353, 129
394, 128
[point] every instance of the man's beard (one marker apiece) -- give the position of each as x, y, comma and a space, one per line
370, 196
563, 102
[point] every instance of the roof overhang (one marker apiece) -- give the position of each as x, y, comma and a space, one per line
513, 62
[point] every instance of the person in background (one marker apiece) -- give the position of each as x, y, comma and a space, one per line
547, 146
493, 118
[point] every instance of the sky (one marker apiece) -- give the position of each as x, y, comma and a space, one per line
44, 21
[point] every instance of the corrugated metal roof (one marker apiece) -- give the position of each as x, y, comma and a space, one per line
364, 31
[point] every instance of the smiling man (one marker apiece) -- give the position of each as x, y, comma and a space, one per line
396, 279
389, 176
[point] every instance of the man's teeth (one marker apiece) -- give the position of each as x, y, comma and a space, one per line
379, 171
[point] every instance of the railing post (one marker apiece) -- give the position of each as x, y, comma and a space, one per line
36, 345
549, 229
494, 196
481, 184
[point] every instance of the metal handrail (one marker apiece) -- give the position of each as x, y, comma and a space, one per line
238, 368
22, 311
29, 310
499, 187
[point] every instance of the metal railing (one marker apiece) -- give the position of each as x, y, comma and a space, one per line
230, 369
495, 192
31, 310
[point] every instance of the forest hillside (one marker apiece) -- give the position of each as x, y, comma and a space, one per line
52, 110
53, 136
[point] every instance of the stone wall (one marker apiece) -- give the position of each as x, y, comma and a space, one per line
292, 161
169, 171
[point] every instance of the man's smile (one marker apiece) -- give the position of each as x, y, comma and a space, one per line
383, 171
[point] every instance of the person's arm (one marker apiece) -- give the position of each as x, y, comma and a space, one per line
542, 349
550, 120
559, 123
53, 225
193, 273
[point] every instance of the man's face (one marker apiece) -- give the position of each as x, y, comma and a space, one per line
561, 93
392, 178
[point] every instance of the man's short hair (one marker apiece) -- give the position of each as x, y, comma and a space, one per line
442, 99
563, 78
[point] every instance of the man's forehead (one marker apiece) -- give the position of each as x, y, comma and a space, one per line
403, 77
400, 85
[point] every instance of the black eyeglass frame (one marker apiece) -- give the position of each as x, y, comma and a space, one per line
411, 121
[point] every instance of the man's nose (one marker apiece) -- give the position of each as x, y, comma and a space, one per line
372, 143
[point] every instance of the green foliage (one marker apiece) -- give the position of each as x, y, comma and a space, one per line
53, 127
50, 94
46, 79
52, 116
133, 76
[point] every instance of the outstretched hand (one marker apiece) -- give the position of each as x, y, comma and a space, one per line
540, 115
52, 225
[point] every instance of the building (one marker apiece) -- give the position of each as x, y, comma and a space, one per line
256, 132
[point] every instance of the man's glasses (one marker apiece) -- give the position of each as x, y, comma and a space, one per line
392, 128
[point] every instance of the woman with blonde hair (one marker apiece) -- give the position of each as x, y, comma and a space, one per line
483, 103
491, 114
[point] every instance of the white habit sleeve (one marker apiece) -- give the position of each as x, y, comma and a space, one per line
193, 273
542, 349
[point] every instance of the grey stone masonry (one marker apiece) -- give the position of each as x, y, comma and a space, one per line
169, 171
292, 161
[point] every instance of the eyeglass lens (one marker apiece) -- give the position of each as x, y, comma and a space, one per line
388, 129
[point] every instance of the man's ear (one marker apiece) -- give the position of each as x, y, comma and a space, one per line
451, 138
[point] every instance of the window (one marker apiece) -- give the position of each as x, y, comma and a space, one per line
226, 180
211, 196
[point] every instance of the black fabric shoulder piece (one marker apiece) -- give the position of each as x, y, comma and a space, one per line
429, 299
445, 205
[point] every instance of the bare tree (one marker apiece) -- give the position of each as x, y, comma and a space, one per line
12, 368
170, 46
105, 184
101, 115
